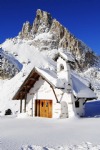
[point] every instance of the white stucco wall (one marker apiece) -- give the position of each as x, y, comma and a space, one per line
42, 91
64, 109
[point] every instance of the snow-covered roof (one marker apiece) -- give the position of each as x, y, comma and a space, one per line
47, 74
51, 77
67, 56
80, 90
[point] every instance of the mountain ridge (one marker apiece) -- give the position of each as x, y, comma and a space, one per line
61, 38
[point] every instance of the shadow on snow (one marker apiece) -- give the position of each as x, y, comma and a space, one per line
92, 109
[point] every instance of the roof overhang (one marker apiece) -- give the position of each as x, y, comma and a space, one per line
87, 99
29, 83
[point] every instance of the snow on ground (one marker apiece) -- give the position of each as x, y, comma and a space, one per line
27, 133
59, 134
83, 146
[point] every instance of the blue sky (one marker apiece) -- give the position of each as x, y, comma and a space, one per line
81, 17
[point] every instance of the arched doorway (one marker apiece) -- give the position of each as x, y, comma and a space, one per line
64, 110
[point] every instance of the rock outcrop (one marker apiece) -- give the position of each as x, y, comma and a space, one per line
8, 68
25, 33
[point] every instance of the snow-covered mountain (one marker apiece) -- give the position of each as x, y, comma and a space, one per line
38, 45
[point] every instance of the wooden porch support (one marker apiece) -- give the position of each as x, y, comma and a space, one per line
55, 94
25, 106
32, 107
21, 106
25, 103
25, 99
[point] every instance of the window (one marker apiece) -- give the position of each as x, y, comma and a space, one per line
77, 104
61, 67
46, 104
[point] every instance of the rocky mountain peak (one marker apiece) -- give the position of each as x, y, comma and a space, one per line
60, 38
42, 22
25, 30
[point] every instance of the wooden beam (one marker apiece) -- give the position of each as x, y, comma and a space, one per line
21, 93
55, 94
33, 79
26, 86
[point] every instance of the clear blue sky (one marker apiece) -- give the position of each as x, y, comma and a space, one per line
81, 17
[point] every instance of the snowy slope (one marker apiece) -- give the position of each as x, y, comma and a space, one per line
30, 57
92, 75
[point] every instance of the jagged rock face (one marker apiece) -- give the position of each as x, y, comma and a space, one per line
61, 38
42, 22
7, 68
25, 30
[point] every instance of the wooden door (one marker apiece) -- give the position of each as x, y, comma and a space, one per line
45, 108
42, 108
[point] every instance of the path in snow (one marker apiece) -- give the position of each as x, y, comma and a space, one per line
83, 146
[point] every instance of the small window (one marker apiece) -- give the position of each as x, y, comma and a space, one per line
77, 104
61, 67
46, 104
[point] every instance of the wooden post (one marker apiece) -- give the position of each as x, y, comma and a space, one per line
25, 99
21, 106
32, 107
25, 103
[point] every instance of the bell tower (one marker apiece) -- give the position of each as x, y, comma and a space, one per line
63, 69
64, 73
